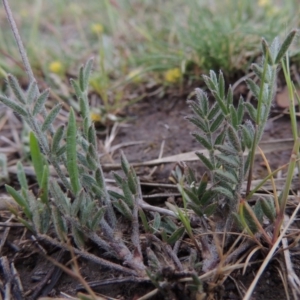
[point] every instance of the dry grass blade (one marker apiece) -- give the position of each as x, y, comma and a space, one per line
114, 148
249, 257
159, 157
270, 255
267, 147
271, 178
5, 234
17, 278
284, 282
110, 138
239, 286
242, 80
65, 296
292, 277
149, 295
7, 285
3, 119
75, 273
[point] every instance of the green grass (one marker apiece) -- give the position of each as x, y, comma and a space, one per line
151, 36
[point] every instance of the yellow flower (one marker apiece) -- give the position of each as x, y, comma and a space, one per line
173, 75
24, 13
271, 8
264, 3
56, 67
272, 11
97, 28
95, 117
135, 75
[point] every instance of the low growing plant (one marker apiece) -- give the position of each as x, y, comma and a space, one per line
231, 141
79, 203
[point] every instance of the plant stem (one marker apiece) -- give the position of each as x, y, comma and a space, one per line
292, 93
284, 195
252, 154
87, 255
261, 122
290, 174
18, 40
34, 126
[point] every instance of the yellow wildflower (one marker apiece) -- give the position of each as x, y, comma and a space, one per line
95, 117
264, 3
135, 75
272, 11
97, 28
56, 67
24, 13
173, 75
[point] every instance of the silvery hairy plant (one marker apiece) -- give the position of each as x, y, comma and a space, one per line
227, 138
76, 207
78, 203
230, 140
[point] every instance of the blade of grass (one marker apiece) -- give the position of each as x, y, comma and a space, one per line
272, 180
270, 255
292, 92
